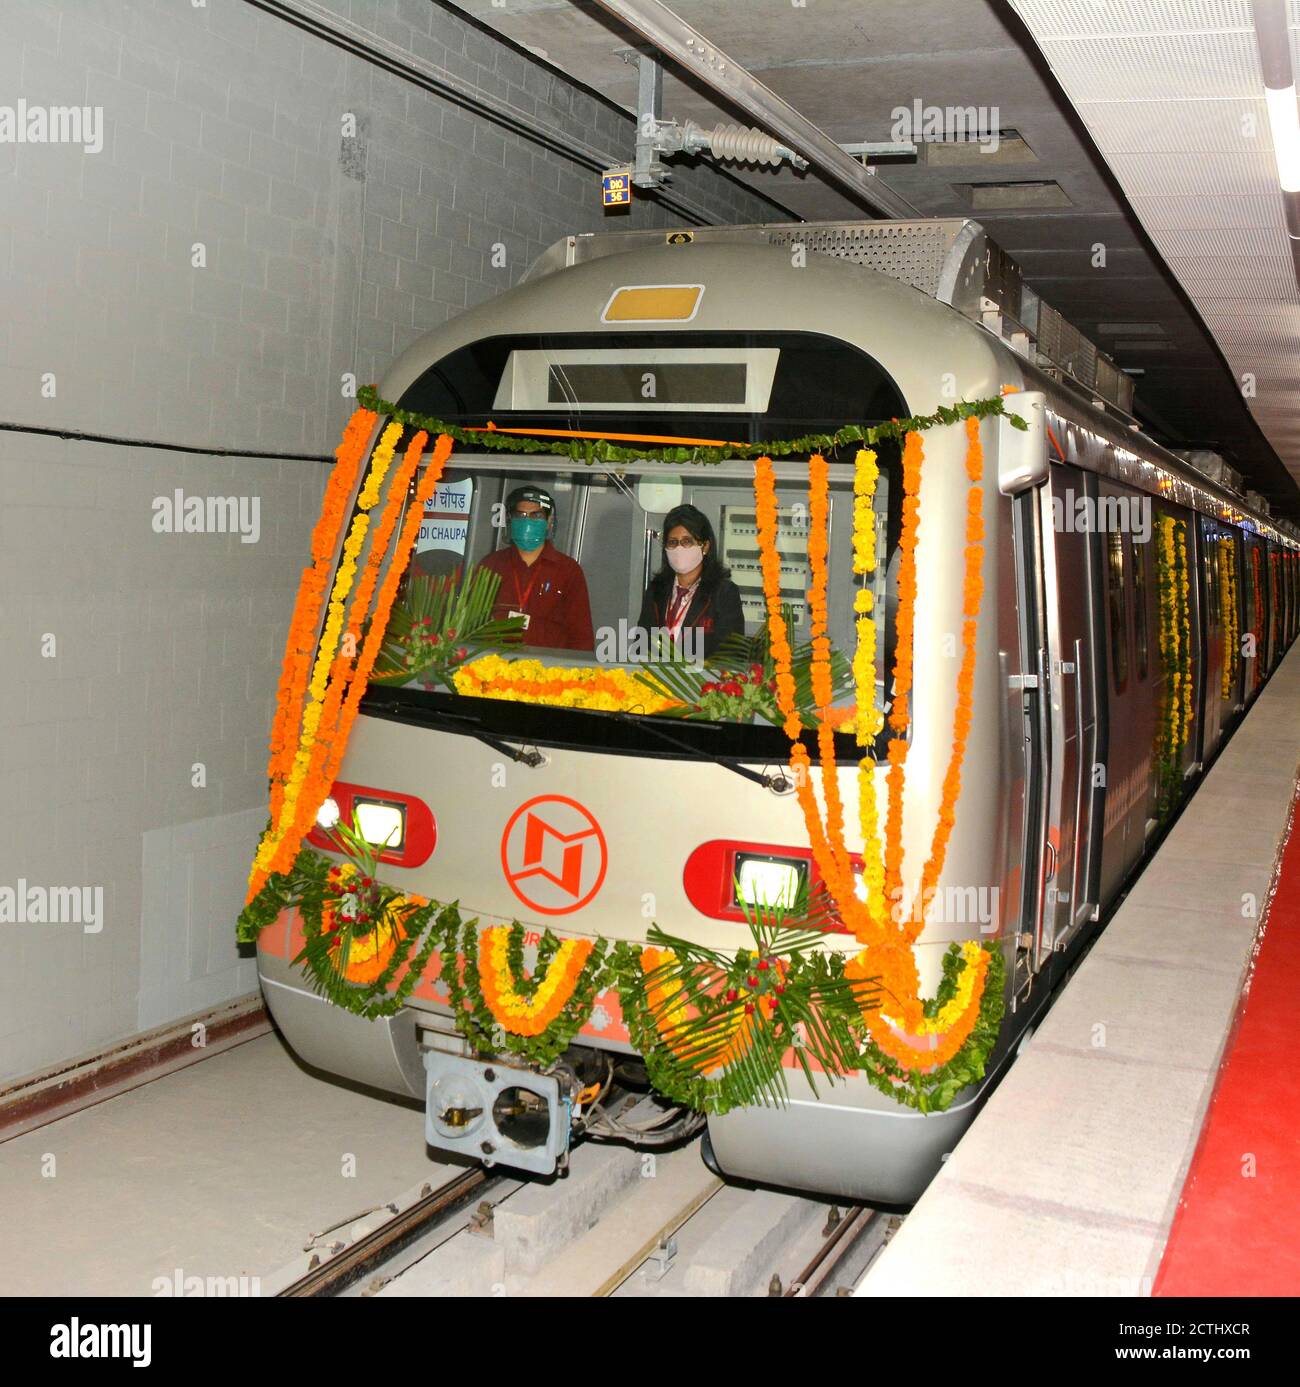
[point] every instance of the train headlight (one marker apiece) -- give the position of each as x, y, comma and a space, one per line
769, 881
399, 826
382, 825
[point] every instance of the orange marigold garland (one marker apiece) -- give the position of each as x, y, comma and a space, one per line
518, 1013
299, 788
902, 1026
905, 622
972, 594
300, 643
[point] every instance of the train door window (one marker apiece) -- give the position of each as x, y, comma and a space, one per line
1117, 605
1213, 612
1140, 624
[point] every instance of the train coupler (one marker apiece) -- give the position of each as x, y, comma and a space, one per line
495, 1114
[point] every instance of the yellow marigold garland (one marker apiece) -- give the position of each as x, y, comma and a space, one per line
1231, 622
868, 720
561, 686
513, 1011
299, 789
899, 1026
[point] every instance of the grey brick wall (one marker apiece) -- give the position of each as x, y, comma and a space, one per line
222, 129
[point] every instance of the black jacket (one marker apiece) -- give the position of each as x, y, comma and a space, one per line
718, 613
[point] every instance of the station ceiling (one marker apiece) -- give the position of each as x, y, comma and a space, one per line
849, 66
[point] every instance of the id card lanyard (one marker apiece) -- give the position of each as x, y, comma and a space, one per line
521, 597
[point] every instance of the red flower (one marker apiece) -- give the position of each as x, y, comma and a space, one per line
732, 689
461, 652
709, 688
756, 673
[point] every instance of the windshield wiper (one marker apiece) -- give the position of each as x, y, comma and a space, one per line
779, 783
523, 756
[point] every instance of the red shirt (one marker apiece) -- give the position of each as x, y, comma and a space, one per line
552, 590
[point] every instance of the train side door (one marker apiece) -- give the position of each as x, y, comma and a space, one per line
1068, 502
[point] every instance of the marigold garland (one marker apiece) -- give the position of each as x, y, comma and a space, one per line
300, 642
869, 720
972, 595
369, 954
593, 451
531, 681
1231, 618
515, 1011
899, 1027
1257, 615
913, 457
927, 1039
338, 679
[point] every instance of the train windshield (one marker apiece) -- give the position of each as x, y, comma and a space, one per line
599, 662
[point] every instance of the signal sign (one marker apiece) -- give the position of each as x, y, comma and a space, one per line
616, 187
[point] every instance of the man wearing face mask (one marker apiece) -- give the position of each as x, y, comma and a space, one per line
539, 583
692, 592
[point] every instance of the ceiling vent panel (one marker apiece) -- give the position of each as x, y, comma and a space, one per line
1165, 67
1178, 127
1060, 19
1194, 212
1163, 86
1215, 175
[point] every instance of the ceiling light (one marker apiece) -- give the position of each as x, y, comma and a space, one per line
1285, 124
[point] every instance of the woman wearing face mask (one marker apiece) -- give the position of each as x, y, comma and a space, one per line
692, 597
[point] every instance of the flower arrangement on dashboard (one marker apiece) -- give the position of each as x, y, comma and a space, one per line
440, 624
738, 682
530, 681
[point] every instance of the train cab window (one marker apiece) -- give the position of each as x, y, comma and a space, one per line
1140, 628
738, 387
611, 521
1117, 606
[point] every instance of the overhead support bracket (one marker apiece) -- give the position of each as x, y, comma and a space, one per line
672, 36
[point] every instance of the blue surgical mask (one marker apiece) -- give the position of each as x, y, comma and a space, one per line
528, 532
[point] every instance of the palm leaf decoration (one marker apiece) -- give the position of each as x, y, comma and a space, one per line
440, 623
714, 1012
673, 676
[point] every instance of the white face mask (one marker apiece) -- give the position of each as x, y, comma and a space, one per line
685, 558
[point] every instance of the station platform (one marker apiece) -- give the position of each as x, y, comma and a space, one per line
1146, 1140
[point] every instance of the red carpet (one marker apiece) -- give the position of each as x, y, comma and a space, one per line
1238, 1234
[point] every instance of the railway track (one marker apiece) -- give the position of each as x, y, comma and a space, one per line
684, 1233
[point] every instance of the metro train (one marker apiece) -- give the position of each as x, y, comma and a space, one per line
779, 332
